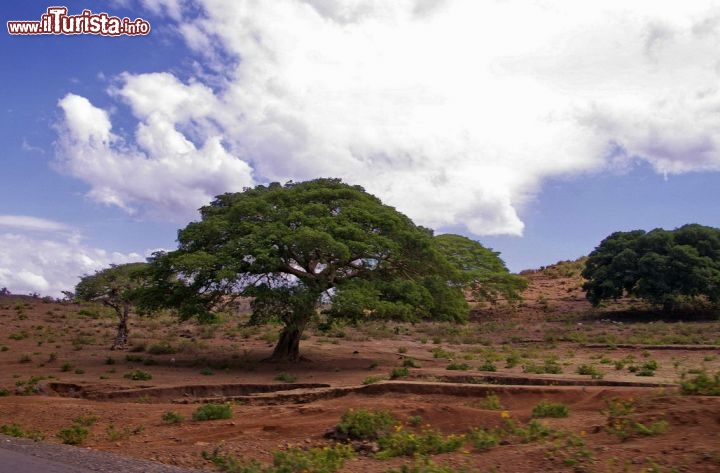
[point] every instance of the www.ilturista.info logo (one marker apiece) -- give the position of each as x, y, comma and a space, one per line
57, 21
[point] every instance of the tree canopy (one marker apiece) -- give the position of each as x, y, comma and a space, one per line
292, 247
480, 269
115, 287
662, 267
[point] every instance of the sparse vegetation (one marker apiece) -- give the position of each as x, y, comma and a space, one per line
484, 439
590, 370
15, 430
73, 435
587, 343
410, 363
285, 377
703, 384
162, 348
400, 442
114, 434
426, 465
550, 409
292, 460
401, 372
373, 379
138, 375
548, 367
491, 402
213, 412
366, 424
172, 417
29, 386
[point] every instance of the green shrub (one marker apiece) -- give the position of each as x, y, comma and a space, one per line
410, 363
292, 460
458, 366
14, 430
85, 421
624, 428
428, 442
533, 432
425, 465
415, 421
440, 353
491, 402
138, 375
366, 424
162, 348
74, 435
172, 417
512, 361
213, 412
590, 370
647, 369
617, 407
656, 428
401, 372
484, 439
114, 434
702, 384
30, 386
372, 380
549, 409
19, 335
548, 367
487, 366
316, 460
285, 378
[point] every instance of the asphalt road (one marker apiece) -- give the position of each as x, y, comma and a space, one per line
27, 456
16, 462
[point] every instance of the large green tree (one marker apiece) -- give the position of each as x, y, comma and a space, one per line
662, 267
292, 247
480, 270
114, 287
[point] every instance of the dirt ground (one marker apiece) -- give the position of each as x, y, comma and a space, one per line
57, 370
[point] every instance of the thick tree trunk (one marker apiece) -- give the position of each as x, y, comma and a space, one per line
288, 346
302, 307
121, 338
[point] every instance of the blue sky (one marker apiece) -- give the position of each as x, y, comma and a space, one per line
536, 129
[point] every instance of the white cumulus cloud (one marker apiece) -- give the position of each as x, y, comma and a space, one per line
454, 111
49, 260
25, 222
162, 171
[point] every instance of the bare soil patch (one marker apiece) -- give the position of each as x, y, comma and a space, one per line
57, 367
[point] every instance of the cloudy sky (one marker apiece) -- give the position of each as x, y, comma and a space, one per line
536, 128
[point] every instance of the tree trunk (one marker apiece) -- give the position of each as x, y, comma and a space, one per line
288, 346
121, 338
302, 307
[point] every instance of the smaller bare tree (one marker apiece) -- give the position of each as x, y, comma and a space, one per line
113, 287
